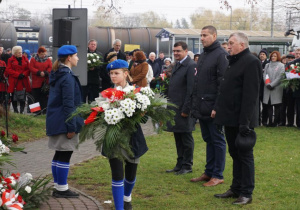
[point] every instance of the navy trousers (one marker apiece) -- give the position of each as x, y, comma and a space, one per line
215, 149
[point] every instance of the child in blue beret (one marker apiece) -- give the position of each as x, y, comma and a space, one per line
122, 188
64, 97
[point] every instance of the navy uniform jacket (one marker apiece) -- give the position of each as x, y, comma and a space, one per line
64, 97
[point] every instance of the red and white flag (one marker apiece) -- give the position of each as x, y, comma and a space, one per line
35, 107
268, 81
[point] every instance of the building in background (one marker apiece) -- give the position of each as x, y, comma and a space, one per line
27, 36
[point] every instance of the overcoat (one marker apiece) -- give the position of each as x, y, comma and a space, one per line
2, 84
180, 93
14, 69
138, 74
237, 103
36, 68
211, 66
274, 70
64, 97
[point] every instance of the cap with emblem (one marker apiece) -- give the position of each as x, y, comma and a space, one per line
66, 50
117, 64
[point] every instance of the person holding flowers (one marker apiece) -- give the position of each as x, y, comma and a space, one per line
273, 91
122, 188
64, 97
94, 65
113, 122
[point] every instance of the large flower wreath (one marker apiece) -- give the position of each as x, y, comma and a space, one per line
115, 115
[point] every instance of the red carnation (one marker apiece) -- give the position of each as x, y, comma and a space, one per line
15, 138
2, 133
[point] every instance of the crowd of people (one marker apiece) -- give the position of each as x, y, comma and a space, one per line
228, 89
24, 74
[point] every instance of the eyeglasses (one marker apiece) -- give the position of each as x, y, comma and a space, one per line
178, 51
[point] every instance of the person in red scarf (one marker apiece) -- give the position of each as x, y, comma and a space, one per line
18, 72
40, 67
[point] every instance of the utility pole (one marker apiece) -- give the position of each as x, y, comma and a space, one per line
251, 16
272, 19
230, 17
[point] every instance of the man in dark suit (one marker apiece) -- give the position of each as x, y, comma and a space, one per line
92, 89
179, 93
237, 110
116, 48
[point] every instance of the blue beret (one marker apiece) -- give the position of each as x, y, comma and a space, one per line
117, 64
66, 50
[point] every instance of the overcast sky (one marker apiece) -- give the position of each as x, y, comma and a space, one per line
172, 9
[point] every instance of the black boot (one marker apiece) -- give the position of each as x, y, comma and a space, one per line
15, 106
22, 107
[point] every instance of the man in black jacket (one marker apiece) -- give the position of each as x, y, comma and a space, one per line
295, 94
263, 114
179, 92
237, 110
155, 67
116, 48
92, 89
211, 66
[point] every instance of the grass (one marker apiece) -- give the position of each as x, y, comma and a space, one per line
27, 127
277, 174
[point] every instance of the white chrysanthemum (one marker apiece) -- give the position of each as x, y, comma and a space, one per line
292, 65
143, 100
98, 57
94, 60
113, 116
119, 88
28, 176
89, 62
88, 55
28, 189
128, 89
92, 54
128, 106
147, 91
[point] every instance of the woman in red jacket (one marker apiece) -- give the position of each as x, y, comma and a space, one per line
40, 67
2, 82
18, 72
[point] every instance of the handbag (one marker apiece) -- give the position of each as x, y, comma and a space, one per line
19, 95
246, 143
45, 87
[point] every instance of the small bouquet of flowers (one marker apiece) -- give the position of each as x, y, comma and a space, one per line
22, 191
18, 191
113, 117
163, 83
291, 77
93, 60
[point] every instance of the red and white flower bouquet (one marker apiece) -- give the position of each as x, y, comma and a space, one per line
113, 117
291, 77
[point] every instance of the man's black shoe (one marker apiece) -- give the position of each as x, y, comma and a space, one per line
227, 194
176, 169
242, 201
65, 194
127, 205
184, 171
